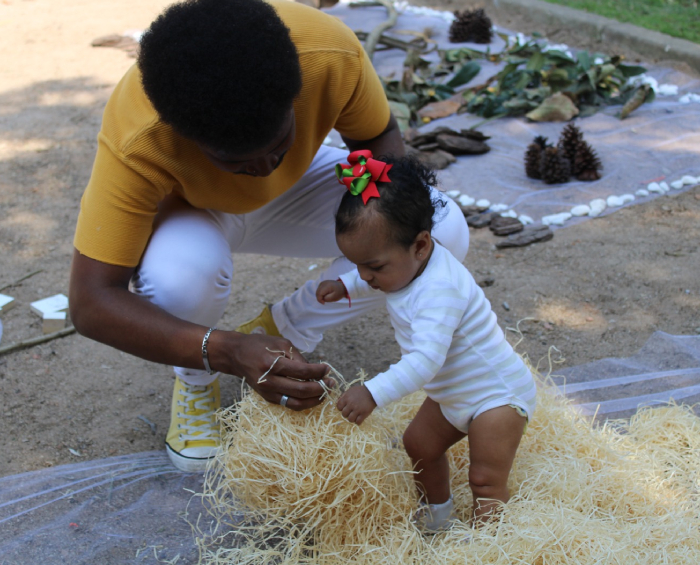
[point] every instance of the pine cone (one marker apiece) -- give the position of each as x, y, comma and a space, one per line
569, 140
587, 165
554, 167
474, 26
533, 155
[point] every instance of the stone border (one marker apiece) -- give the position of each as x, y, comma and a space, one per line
649, 44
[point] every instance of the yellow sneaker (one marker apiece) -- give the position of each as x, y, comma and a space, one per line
263, 324
194, 434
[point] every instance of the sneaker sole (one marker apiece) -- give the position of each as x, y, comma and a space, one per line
187, 464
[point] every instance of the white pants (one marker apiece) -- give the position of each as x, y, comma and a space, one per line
187, 266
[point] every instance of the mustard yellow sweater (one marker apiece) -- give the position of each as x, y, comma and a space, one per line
140, 160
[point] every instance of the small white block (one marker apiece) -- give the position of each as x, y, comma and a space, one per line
655, 187
677, 184
688, 180
483, 203
625, 198
328, 140
6, 303
510, 214
642, 192
597, 206
667, 90
499, 207
581, 210
664, 186
526, 219
614, 201
453, 193
49, 305
466, 200
53, 322
556, 219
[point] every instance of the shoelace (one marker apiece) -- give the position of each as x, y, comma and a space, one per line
197, 426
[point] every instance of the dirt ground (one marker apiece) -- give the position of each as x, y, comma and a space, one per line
597, 290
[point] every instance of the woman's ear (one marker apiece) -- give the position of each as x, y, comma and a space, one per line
422, 244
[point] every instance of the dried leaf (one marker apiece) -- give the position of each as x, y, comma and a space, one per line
556, 108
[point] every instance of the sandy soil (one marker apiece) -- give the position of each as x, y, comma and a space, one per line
596, 290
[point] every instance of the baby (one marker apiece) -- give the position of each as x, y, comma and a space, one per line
451, 345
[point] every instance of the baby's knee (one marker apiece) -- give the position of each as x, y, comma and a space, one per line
416, 449
486, 481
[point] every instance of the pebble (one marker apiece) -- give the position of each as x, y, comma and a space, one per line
688, 180
509, 214
581, 210
625, 198
328, 140
614, 201
667, 90
664, 185
526, 219
655, 187
688, 98
483, 203
677, 184
556, 219
642, 192
453, 193
466, 200
499, 207
597, 206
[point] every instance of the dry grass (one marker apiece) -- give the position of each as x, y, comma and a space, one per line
311, 488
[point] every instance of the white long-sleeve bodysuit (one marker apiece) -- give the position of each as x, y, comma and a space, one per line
451, 345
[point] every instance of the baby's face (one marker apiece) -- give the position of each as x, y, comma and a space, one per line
382, 263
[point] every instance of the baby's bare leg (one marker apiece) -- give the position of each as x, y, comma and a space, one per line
494, 437
426, 440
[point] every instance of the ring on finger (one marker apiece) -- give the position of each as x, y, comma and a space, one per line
283, 400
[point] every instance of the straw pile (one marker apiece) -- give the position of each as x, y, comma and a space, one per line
310, 488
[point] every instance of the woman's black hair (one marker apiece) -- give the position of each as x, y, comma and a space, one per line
221, 72
406, 203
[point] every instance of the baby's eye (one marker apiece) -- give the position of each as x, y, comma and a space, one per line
379, 268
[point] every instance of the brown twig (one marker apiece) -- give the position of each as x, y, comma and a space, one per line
24, 278
375, 34
10, 347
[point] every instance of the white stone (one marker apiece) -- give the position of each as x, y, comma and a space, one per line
556, 219
614, 201
499, 207
581, 210
677, 184
328, 140
510, 214
625, 198
483, 203
466, 200
525, 219
688, 180
453, 193
667, 90
664, 186
642, 192
688, 98
655, 187
597, 206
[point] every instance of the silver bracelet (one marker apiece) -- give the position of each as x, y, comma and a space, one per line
205, 356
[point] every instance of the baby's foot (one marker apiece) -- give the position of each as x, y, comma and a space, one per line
434, 518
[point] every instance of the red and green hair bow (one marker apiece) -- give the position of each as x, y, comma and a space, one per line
362, 173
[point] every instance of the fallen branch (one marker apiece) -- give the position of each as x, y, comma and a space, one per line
36, 340
375, 34
24, 278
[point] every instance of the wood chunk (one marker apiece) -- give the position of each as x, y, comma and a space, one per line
481, 220
505, 225
437, 159
474, 134
531, 234
428, 147
472, 209
458, 145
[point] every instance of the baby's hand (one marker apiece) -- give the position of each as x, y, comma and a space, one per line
330, 291
356, 404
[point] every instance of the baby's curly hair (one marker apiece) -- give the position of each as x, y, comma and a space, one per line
406, 203
221, 72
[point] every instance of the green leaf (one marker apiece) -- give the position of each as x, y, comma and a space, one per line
631, 70
465, 74
536, 62
557, 55
584, 60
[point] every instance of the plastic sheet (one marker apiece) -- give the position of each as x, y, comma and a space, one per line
658, 142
